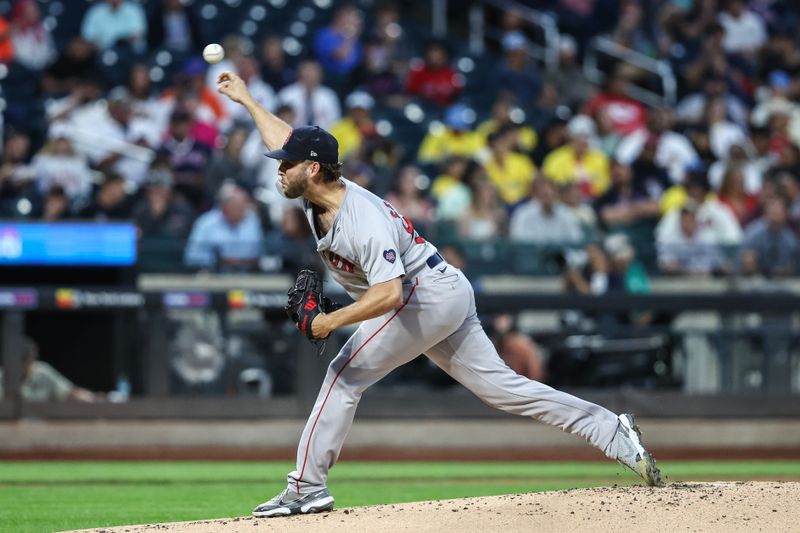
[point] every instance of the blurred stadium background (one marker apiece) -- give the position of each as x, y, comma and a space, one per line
624, 176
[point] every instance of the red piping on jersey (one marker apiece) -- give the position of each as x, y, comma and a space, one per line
339, 373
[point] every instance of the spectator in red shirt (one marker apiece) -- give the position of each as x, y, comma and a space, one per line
433, 78
626, 114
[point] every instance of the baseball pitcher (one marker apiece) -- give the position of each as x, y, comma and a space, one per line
408, 300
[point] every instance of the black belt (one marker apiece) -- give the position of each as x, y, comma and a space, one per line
434, 260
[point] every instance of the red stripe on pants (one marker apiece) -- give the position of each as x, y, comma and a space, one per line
339, 373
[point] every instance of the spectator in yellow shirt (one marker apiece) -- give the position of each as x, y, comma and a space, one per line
504, 113
511, 172
452, 171
577, 161
453, 138
353, 127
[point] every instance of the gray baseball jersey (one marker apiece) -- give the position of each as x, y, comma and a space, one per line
370, 242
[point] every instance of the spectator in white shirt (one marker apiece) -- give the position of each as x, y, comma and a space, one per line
33, 44
113, 139
57, 163
544, 219
745, 31
674, 152
712, 216
688, 247
313, 102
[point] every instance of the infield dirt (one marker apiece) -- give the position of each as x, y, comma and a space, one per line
698, 507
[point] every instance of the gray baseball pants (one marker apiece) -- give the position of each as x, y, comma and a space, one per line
437, 318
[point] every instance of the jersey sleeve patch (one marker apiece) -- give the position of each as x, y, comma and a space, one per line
390, 255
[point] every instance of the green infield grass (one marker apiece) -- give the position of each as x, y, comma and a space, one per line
54, 496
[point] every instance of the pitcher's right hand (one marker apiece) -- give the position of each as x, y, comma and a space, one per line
233, 87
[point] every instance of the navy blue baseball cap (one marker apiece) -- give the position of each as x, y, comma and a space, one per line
308, 143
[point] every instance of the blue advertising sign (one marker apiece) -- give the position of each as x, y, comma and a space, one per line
67, 244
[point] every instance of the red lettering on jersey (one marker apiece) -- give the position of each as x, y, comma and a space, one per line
407, 225
341, 263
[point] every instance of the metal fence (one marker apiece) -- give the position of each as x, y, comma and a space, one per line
212, 352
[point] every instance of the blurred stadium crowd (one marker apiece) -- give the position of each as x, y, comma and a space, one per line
109, 113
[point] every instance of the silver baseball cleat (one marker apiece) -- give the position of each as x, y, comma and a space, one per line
289, 502
632, 453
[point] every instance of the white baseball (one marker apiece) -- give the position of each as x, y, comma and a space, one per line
213, 53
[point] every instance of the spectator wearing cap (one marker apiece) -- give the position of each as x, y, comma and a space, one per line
518, 78
229, 237
775, 102
432, 78
313, 103
686, 247
745, 31
187, 157
110, 201
453, 138
504, 114
770, 247
110, 22
337, 46
161, 213
57, 163
713, 217
543, 219
627, 115
510, 172
578, 161
356, 125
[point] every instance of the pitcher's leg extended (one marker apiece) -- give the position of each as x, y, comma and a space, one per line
470, 357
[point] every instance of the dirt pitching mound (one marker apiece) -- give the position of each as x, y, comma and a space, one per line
701, 507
